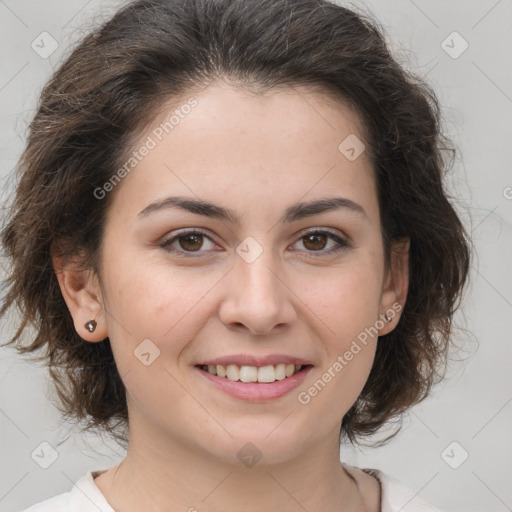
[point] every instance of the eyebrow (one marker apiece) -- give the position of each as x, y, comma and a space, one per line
293, 213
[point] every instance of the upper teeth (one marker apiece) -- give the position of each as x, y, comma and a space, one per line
268, 373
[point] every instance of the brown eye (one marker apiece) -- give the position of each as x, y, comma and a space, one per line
191, 242
315, 242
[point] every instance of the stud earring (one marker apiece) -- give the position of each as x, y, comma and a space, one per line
387, 318
91, 325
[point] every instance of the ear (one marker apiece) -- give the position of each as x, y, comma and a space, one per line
80, 288
395, 286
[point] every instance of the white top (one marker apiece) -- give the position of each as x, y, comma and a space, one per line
86, 497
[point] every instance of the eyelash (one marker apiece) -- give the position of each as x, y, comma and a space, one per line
342, 244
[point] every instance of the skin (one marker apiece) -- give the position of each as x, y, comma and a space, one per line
256, 155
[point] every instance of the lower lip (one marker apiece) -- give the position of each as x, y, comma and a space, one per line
255, 391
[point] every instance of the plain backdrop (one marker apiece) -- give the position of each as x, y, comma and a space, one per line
455, 447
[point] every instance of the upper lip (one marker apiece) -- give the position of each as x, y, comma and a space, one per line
249, 360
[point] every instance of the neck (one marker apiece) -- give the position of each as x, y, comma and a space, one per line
173, 476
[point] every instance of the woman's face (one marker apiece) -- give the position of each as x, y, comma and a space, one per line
183, 286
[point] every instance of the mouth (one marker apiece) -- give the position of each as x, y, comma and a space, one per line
267, 374
254, 383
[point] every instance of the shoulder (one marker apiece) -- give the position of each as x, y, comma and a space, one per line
395, 495
58, 503
83, 497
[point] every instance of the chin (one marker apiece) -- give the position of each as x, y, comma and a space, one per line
259, 442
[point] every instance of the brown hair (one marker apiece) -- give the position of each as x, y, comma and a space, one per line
115, 82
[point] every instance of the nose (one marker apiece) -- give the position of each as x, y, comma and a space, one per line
257, 298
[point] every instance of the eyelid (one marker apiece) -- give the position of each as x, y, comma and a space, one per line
181, 233
330, 231
343, 241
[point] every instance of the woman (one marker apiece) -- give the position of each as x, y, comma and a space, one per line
232, 237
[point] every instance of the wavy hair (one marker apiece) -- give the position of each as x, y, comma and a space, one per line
115, 82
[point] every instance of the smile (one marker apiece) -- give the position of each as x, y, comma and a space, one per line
254, 383
261, 374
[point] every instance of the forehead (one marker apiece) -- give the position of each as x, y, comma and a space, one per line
229, 142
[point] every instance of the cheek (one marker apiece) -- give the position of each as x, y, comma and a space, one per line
344, 298
347, 303
349, 309
156, 302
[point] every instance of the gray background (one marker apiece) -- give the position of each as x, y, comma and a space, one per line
472, 408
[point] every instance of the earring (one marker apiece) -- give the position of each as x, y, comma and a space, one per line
387, 318
91, 325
